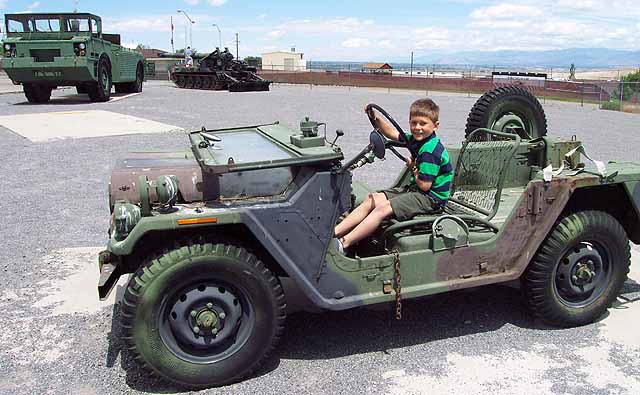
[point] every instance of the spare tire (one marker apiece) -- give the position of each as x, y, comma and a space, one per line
509, 109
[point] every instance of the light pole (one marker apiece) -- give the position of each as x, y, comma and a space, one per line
183, 12
219, 35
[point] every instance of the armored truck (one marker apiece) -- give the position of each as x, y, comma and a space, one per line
221, 238
45, 51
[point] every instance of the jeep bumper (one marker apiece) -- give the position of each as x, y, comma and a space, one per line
64, 70
109, 273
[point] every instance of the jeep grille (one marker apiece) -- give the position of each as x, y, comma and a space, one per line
44, 55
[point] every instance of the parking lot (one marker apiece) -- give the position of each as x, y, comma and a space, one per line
58, 338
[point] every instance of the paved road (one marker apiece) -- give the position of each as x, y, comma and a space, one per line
58, 339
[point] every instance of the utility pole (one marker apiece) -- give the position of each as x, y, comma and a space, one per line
237, 42
411, 72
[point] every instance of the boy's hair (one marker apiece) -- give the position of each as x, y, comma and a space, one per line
425, 108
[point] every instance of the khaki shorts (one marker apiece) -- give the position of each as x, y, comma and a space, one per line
407, 202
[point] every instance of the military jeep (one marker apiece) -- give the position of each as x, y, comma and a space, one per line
217, 235
45, 51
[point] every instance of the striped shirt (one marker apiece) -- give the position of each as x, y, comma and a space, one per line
432, 161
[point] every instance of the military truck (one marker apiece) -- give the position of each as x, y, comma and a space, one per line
222, 237
43, 51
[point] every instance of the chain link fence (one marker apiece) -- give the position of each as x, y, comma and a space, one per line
606, 94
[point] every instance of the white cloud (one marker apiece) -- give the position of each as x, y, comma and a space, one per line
262, 17
275, 34
140, 25
506, 11
3, 4
192, 2
356, 43
216, 3
33, 6
385, 44
336, 25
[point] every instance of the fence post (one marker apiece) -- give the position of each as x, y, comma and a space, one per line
582, 93
600, 98
621, 93
349, 78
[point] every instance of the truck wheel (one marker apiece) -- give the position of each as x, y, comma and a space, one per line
37, 93
101, 91
506, 108
204, 314
579, 269
188, 82
81, 89
136, 86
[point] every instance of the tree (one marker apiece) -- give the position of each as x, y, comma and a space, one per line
254, 61
630, 84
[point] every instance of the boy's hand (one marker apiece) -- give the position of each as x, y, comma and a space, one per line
411, 164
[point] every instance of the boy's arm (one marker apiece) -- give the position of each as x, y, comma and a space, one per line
426, 170
387, 130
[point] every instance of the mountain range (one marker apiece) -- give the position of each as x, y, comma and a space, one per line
581, 57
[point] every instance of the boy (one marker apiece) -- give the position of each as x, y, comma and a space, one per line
428, 189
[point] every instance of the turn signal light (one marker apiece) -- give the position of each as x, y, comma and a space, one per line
197, 221
82, 53
8, 53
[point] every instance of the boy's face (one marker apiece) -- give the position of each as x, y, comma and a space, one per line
422, 127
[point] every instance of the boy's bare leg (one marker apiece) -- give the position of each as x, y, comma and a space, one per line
369, 224
359, 214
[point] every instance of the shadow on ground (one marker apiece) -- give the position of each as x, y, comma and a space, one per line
312, 336
70, 99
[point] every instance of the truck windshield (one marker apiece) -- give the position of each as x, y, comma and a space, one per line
46, 24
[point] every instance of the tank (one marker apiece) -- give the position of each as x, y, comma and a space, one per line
219, 71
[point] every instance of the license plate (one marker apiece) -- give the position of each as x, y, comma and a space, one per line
48, 73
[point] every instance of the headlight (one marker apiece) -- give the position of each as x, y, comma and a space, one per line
124, 219
82, 46
7, 47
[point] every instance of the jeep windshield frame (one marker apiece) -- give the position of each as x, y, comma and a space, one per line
50, 24
253, 148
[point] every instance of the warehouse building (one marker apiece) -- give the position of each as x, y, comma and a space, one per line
284, 61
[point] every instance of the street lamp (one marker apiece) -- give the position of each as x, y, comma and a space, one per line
190, 31
219, 35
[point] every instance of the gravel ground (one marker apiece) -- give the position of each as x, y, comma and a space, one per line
58, 339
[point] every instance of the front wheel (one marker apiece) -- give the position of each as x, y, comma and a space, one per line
204, 314
101, 90
579, 270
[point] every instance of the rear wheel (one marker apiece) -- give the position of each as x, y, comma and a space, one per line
206, 83
203, 314
579, 269
188, 82
81, 89
101, 90
508, 109
37, 93
180, 81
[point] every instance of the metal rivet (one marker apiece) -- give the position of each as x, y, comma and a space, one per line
214, 331
209, 305
222, 315
194, 313
196, 329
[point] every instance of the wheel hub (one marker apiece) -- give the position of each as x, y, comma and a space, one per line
582, 274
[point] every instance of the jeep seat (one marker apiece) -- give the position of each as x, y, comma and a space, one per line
477, 185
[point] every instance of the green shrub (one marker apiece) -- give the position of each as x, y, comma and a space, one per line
611, 105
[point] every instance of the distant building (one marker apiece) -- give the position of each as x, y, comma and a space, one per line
284, 61
377, 68
151, 52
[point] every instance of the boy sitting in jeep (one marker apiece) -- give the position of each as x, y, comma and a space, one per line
428, 189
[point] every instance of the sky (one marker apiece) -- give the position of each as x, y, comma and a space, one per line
372, 30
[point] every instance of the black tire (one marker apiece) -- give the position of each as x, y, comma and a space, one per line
37, 93
180, 81
135, 86
197, 82
82, 90
170, 295
101, 90
121, 88
188, 82
579, 270
206, 82
506, 107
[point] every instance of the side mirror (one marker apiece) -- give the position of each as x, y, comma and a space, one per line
376, 142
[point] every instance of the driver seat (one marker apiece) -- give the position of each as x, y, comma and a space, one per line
479, 175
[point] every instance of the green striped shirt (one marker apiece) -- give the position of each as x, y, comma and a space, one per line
432, 161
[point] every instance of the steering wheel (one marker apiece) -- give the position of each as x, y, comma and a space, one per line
388, 144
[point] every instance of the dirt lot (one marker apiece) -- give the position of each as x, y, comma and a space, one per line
59, 339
